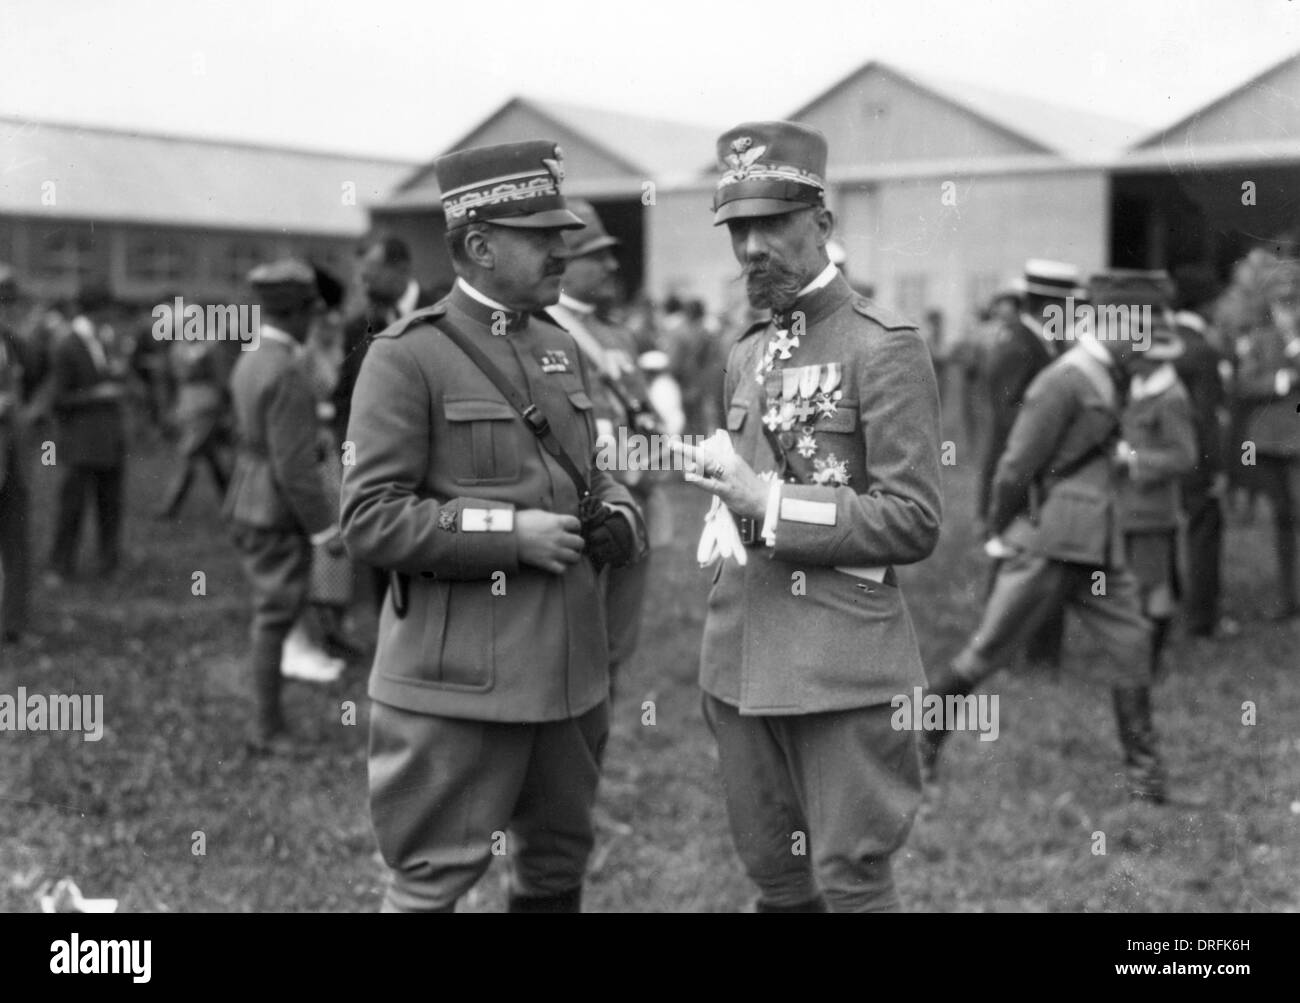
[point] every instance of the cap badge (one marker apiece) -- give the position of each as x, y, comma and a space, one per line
556, 165
743, 155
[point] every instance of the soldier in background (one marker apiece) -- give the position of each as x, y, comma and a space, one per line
622, 404
1268, 388
1052, 517
1157, 451
277, 502
201, 404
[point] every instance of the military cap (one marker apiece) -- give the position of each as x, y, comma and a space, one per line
285, 284
511, 184
769, 168
1056, 279
1132, 287
592, 237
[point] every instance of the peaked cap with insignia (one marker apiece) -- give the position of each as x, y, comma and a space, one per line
511, 184
769, 168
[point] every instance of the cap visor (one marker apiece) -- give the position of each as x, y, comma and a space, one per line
740, 208
550, 219
592, 246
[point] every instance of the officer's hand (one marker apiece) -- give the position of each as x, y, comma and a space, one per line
547, 540
730, 478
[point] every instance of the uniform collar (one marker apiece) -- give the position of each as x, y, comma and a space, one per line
485, 309
407, 301
1157, 383
576, 306
268, 332
1094, 348
815, 300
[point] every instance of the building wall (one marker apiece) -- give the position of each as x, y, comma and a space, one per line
1265, 110
54, 257
878, 118
686, 254
920, 253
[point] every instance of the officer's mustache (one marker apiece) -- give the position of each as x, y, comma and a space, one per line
770, 282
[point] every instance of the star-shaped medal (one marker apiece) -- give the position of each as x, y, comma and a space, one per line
831, 471
826, 406
807, 445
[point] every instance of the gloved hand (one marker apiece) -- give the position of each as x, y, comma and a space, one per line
609, 537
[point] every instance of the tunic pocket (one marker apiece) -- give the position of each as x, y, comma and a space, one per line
484, 441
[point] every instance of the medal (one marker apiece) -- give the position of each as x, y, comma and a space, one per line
831, 471
807, 445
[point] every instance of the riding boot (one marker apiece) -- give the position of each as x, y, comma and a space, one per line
1137, 737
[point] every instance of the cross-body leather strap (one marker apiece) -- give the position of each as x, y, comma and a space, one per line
532, 416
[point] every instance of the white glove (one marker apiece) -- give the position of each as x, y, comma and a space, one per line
720, 538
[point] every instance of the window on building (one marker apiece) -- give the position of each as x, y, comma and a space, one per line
68, 251
910, 295
154, 257
241, 257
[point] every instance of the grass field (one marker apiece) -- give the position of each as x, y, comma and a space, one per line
1009, 826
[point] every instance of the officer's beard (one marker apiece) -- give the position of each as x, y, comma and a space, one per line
770, 283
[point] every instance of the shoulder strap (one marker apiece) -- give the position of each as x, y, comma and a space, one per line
533, 418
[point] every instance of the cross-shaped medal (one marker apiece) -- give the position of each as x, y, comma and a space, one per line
804, 410
784, 342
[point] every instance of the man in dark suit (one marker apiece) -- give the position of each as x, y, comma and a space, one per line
277, 500
490, 684
90, 446
833, 409
1022, 350
1068, 550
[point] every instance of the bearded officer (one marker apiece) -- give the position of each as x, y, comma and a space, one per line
621, 398
491, 678
806, 644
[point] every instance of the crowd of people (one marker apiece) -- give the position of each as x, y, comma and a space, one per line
432, 452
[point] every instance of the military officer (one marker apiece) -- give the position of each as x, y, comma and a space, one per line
1157, 451
277, 501
833, 408
490, 682
1054, 523
621, 402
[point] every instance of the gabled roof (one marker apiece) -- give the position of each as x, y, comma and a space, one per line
149, 178
1041, 126
1260, 80
636, 146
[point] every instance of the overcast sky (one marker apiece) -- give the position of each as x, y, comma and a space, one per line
398, 78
